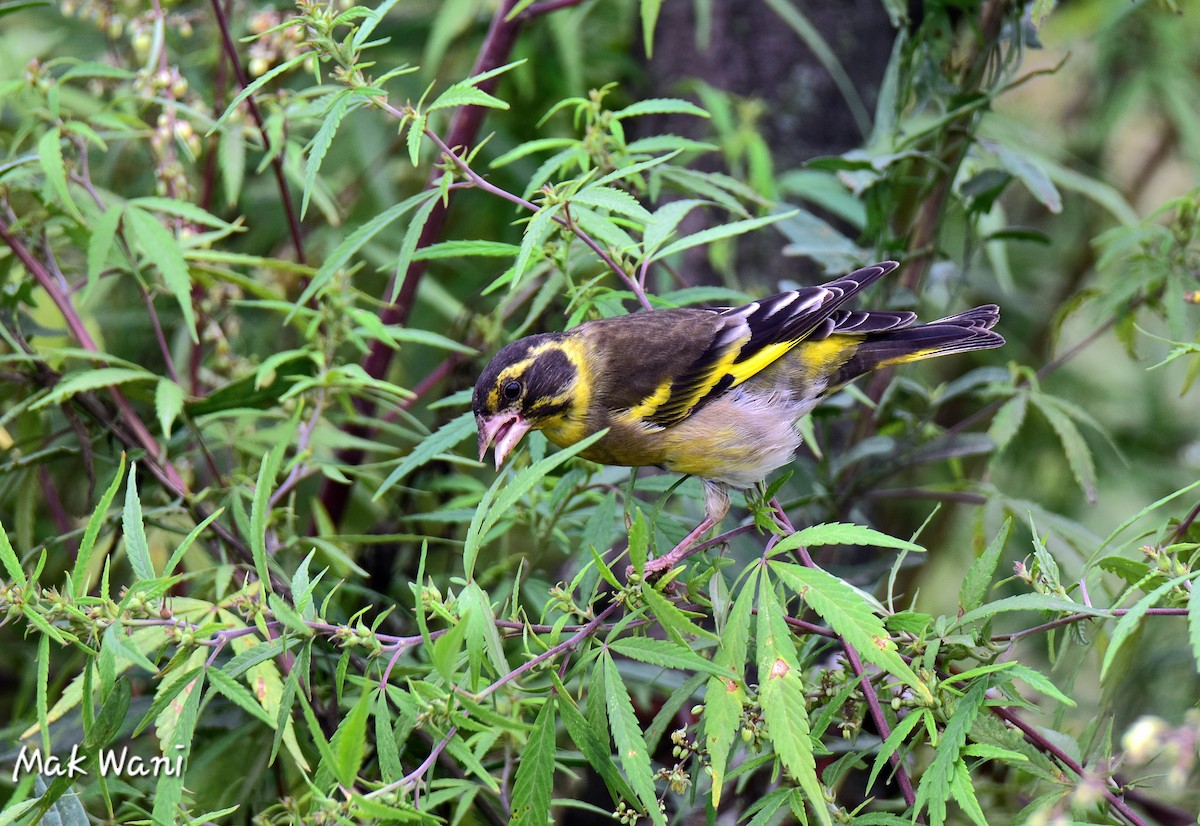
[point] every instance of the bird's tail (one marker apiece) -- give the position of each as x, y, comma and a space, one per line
971, 330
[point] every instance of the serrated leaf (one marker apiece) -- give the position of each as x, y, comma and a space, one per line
934, 789
347, 249
534, 783
781, 695
675, 622
840, 533
160, 247
1008, 420
537, 230
12, 563
85, 380
717, 233
724, 700
100, 242
461, 94
445, 438
664, 222
505, 493
627, 736
136, 547
237, 694
412, 236
1079, 455
1026, 602
88, 543
594, 749
667, 654
613, 200
1193, 607
849, 614
50, 155
1130, 622
983, 568
319, 146
660, 106
255, 85
168, 403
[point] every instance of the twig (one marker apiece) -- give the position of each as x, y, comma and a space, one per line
1036, 739
1073, 618
243, 81
566, 645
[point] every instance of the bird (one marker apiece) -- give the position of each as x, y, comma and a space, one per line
712, 392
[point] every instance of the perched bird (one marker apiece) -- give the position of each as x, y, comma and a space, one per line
712, 392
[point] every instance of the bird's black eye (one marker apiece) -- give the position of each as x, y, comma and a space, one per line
511, 391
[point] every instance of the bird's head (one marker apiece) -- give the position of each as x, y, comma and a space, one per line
532, 384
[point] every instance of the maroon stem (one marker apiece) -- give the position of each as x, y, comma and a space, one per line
239, 72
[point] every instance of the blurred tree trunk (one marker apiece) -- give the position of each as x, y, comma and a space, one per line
748, 50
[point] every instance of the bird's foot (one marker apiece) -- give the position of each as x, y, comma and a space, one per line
689, 545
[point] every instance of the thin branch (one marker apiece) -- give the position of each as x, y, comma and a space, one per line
1070, 619
566, 645
243, 81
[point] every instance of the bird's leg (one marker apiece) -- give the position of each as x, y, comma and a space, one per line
716, 505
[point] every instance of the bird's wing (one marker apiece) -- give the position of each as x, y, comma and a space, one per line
751, 337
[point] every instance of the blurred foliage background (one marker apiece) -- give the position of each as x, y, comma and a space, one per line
239, 257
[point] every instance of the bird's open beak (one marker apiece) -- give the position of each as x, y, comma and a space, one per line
505, 429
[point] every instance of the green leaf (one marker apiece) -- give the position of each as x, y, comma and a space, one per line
412, 236
595, 750
1129, 623
1026, 602
445, 438
461, 249
1079, 455
348, 743
238, 694
53, 167
482, 637
1008, 420
614, 200
850, 615
465, 94
724, 699
675, 622
983, 568
260, 512
659, 106
136, 547
840, 533
935, 786
347, 249
319, 147
255, 85
504, 494
159, 246
168, 403
650, 10
667, 654
627, 736
537, 230
183, 546
534, 783
639, 541
85, 380
12, 563
100, 242
781, 694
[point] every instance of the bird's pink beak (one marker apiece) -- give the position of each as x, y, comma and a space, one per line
505, 429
